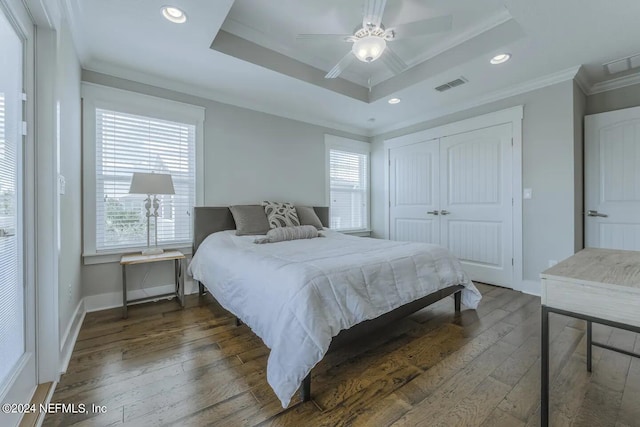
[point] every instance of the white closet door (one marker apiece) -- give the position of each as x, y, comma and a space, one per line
414, 172
612, 180
476, 202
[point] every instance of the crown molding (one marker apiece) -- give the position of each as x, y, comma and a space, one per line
213, 95
582, 80
45, 13
71, 12
612, 84
531, 85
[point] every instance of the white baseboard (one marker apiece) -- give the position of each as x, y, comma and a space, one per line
47, 400
531, 287
114, 299
71, 335
102, 302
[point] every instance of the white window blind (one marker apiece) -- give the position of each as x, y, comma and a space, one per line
348, 190
128, 143
11, 287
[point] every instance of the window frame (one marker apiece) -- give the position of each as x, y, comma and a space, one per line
333, 142
98, 96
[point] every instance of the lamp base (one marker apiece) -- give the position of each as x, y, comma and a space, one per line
152, 251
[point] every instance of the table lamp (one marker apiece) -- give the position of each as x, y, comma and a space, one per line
151, 184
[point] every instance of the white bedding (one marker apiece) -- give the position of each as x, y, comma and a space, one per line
297, 295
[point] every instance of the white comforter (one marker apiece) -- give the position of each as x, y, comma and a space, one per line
297, 295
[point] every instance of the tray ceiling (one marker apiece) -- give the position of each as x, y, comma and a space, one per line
256, 61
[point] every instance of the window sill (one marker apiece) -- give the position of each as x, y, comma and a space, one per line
114, 256
358, 233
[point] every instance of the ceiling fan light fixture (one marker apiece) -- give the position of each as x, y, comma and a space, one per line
500, 58
173, 14
369, 48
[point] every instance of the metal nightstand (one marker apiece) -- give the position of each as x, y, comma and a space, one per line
178, 267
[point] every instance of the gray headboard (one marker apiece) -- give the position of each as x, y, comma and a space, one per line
207, 220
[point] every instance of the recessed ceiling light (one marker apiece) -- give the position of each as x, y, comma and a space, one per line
500, 59
174, 14
394, 101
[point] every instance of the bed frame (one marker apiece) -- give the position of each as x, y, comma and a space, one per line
207, 220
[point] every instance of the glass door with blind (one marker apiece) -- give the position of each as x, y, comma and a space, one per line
17, 356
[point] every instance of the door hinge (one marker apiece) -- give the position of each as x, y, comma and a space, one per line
389, 203
512, 262
24, 128
512, 202
24, 96
512, 142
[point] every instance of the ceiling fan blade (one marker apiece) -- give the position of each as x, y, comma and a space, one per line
435, 25
325, 37
340, 66
393, 61
373, 11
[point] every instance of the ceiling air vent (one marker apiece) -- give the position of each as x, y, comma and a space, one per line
451, 84
623, 64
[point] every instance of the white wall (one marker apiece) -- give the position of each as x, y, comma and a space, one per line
549, 168
579, 107
248, 156
616, 99
70, 217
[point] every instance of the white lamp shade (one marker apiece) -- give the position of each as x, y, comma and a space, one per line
369, 48
151, 183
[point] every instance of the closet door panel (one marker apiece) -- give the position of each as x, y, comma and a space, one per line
476, 204
414, 188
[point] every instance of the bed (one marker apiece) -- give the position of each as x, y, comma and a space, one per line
306, 297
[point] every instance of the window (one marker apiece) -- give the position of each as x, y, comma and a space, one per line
146, 135
348, 183
127, 143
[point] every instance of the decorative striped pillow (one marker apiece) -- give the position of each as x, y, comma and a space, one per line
281, 214
282, 234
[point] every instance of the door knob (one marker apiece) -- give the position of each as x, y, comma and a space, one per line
596, 213
444, 212
433, 213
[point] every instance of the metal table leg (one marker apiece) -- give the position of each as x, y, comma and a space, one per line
181, 280
124, 291
544, 369
178, 275
175, 277
589, 346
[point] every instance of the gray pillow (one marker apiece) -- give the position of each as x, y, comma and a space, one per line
280, 234
308, 216
250, 219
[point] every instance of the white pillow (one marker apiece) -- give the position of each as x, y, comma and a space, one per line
282, 234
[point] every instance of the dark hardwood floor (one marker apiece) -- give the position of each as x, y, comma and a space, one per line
193, 367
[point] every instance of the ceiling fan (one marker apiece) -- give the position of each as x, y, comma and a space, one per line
370, 39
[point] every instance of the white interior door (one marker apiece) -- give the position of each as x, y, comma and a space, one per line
476, 202
17, 318
414, 176
612, 179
